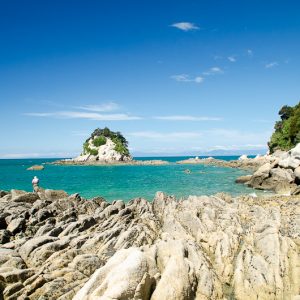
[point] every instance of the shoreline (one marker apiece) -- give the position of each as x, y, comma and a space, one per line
58, 245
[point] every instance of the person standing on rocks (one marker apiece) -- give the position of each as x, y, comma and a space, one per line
35, 184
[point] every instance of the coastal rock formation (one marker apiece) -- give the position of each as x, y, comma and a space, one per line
61, 246
280, 174
104, 146
36, 168
242, 163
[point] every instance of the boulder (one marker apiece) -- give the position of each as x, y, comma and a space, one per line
28, 198
243, 179
16, 225
297, 173
16, 193
295, 152
282, 175
36, 168
289, 162
55, 194
34, 243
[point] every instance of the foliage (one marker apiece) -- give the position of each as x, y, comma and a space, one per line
88, 150
99, 138
120, 147
99, 141
287, 131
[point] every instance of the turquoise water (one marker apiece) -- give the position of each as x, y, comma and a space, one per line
124, 182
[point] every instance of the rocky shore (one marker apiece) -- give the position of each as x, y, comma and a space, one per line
59, 246
70, 162
280, 173
243, 163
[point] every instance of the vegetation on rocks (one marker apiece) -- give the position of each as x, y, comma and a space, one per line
99, 138
287, 130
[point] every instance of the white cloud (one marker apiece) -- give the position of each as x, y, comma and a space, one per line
185, 26
105, 107
231, 58
214, 71
165, 136
250, 52
271, 65
38, 155
187, 118
84, 115
187, 78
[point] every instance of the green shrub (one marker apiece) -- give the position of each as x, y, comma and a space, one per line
99, 141
119, 147
287, 130
93, 151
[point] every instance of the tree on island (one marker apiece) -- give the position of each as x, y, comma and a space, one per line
287, 130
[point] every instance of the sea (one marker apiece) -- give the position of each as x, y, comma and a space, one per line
125, 182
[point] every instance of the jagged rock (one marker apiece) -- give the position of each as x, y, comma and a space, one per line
55, 194
28, 197
16, 225
289, 162
216, 247
282, 175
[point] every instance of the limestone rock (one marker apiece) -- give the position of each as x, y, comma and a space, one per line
16, 225
243, 179
216, 247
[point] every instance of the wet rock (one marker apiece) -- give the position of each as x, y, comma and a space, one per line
243, 179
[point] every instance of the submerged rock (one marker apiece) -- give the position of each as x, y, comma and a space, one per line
215, 247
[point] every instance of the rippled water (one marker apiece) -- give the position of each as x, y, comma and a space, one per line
124, 182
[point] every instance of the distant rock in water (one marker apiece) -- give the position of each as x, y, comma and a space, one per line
105, 145
36, 168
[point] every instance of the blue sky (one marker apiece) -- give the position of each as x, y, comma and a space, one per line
175, 77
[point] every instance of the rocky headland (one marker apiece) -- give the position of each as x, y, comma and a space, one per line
280, 173
59, 246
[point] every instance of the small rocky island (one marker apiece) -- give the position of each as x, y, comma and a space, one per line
106, 147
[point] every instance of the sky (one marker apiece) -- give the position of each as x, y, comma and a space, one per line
175, 77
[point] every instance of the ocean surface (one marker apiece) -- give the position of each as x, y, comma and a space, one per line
124, 182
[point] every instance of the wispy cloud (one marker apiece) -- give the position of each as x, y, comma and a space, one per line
185, 26
38, 155
231, 58
165, 136
271, 65
250, 52
187, 78
104, 107
213, 71
187, 118
84, 115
